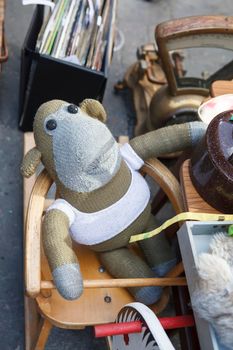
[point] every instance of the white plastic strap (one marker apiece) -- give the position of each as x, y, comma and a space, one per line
154, 326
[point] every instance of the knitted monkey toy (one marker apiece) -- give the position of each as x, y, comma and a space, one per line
103, 198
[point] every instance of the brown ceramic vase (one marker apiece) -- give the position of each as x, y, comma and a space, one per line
211, 167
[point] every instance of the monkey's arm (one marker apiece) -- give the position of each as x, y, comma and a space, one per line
61, 257
168, 139
30, 162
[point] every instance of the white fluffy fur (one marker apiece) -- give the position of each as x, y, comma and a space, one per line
222, 246
213, 297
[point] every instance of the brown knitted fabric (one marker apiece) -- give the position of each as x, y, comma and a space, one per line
94, 109
158, 142
30, 162
123, 263
48, 108
56, 239
122, 239
101, 198
43, 140
156, 249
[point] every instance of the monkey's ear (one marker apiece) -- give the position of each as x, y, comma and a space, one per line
94, 109
30, 162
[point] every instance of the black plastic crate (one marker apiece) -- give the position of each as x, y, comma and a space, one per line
43, 78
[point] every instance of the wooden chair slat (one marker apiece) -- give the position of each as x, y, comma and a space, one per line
126, 282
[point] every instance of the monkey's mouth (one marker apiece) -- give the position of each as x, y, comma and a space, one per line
101, 163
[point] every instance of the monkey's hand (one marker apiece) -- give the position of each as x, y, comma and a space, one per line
61, 257
30, 162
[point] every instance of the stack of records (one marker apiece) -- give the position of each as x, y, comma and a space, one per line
77, 31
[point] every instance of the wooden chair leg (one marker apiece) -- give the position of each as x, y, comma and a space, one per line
44, 334
32, 323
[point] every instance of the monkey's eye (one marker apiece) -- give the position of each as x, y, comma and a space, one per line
51, 124
72, 109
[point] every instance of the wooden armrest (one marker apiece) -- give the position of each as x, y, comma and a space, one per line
167, 181
194, 25
33, 234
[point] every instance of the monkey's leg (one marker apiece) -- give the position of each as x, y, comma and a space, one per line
62, 260
123, 263
157, 251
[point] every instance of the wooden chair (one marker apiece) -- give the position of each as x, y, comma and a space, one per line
103, 296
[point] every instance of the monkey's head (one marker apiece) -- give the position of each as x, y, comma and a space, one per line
74, 144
